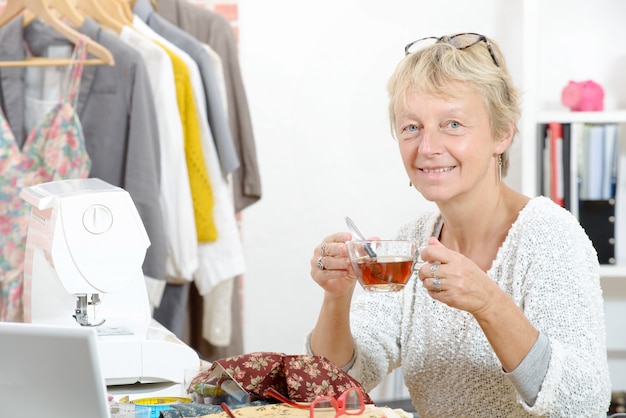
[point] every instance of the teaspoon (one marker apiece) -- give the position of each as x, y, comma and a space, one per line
354, 230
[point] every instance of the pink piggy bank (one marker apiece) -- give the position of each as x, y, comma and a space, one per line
583, 96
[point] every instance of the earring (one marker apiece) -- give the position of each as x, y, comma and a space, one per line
410, 184
500, 168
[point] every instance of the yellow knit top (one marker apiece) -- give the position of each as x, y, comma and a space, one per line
199, 181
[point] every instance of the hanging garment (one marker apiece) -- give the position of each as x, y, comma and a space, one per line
213, 29
116, 110
216, 60
176, 198
54, 150
200, 183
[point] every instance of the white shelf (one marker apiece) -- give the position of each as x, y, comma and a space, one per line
613, 272
612, 116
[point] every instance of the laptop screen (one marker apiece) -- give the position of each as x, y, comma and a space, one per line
50, 371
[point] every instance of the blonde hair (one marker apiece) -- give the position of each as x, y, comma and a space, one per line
437, 68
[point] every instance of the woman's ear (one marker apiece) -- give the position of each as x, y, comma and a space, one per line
505, 140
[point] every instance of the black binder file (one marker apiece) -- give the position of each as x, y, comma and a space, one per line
597, 217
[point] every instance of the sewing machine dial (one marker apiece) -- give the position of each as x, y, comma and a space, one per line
97, 219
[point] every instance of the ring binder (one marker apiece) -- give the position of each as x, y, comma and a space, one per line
597, 217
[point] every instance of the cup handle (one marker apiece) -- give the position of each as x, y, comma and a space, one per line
417, 259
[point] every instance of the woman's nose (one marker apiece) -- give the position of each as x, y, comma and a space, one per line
431, 141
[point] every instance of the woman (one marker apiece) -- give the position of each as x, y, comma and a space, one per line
506, 318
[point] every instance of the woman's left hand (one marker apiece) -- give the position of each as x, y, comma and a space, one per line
454, 279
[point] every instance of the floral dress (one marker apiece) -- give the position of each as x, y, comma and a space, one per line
54, 150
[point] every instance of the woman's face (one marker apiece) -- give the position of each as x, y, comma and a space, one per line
446, 145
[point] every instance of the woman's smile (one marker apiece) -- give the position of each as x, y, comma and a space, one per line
438, 170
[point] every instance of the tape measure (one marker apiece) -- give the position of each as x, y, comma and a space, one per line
156, 404
160, 400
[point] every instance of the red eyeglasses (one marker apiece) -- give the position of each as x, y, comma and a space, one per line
349, 403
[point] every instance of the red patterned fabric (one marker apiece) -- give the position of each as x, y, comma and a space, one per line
301, 378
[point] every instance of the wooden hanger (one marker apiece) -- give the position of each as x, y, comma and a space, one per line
94, 9
63, 7
42, 11
67, 9
118, 9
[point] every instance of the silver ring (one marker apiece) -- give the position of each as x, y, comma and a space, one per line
433, 269
436, 284
320, 264
324, 249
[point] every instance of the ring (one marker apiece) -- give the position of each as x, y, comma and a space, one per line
320, 264
433, 269
437, 284
324, 249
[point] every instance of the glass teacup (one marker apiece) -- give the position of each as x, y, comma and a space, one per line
384, 265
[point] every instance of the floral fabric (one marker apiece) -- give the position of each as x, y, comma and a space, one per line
301, 378
54, 150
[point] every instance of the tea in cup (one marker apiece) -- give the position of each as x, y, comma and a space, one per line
384, 265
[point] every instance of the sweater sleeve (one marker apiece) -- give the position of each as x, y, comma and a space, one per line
561, 296
529, 375
376, 331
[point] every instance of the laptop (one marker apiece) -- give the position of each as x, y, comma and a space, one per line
49, 371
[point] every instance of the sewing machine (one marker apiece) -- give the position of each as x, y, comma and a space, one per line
85, 248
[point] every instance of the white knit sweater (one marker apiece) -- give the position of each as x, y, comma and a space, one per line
549, 267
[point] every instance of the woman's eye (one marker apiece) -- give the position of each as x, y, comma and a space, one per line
454, 124
412, 128
408, 131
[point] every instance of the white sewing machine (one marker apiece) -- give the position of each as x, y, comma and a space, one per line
85, 248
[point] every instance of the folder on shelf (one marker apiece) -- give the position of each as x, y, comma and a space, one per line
593, 162
543, 157
555, 130
620, 198
569, 176
609, 175
574, 139
597, 217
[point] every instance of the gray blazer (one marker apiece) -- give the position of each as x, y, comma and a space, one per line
116, 110
214, 30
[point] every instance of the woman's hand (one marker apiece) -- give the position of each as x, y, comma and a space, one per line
455, 280
330, 265
331, 269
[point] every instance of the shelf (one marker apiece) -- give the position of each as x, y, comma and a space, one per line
613, 272
612, 281
555, 52
613, 116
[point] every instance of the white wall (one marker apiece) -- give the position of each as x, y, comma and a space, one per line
315, 75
